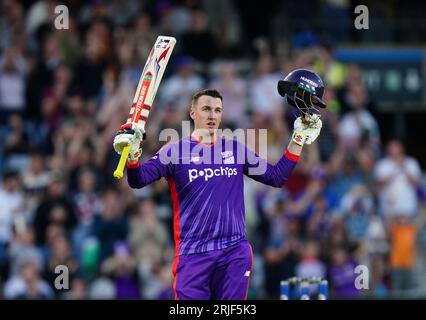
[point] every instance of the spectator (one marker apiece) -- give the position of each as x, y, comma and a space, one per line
121, 268
11, 209
357, 206
178, 19
54, 209
53, 106
330, 126
15, 144
199, 42
36, 179
39, 13
13, 71
342, 274
309, 264
262, 87
319, 219
60, 255
28, 284
87, 205
344, 173
358, 127
234, 90
145, 33
398, 176
115, 99
333, 72
281, 257
89, 70
41, 75
337, 237
110, 225
148, 235
21, 246
12, 22
177, 90
123, 12
403, 234
150, 240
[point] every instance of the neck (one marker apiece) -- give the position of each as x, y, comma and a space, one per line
202, 135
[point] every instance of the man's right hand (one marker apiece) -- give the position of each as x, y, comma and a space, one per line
131, 135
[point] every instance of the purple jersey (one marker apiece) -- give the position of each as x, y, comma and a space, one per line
206, 184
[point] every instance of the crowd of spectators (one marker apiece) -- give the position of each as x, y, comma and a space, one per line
353, 199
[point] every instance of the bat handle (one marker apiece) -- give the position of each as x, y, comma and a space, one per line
119, 172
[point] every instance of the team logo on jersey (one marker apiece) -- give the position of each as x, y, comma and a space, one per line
195, 159
228, 157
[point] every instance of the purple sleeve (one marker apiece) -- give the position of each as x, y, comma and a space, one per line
139, 175
276, 175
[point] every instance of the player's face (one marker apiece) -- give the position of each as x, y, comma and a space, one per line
207, 113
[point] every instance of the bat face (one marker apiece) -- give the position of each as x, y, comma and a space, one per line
150, 79
137, 107
147, 88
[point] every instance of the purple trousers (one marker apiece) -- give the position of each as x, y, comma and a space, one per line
214, 275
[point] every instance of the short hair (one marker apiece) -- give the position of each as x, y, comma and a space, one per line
206, 92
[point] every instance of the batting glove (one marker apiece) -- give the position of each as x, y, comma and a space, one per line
308, 130
129, 134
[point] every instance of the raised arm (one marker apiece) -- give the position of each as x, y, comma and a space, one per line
276, 175
139, 175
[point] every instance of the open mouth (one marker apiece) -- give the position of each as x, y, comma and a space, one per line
211, 124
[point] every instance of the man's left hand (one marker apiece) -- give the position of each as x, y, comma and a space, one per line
306, 130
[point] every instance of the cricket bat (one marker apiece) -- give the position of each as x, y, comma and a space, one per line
147, 88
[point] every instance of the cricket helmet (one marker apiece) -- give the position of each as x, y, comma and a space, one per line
303, 89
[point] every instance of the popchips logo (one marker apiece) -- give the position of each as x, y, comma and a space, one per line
208, 173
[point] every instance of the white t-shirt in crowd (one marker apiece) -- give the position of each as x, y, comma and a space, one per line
398, 195
353, 123
11, 205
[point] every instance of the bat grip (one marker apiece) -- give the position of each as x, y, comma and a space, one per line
119, 172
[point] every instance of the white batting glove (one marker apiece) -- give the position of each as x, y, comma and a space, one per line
308, 130
130, 134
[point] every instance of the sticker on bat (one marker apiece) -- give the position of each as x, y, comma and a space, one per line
162, 43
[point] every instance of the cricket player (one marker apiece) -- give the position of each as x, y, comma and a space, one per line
213, 259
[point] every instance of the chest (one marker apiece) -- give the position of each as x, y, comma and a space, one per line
202, 164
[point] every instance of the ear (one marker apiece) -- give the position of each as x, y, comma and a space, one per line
192, 113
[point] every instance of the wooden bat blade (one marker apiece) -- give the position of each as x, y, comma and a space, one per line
147, 88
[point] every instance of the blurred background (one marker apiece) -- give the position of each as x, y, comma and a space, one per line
357, 197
